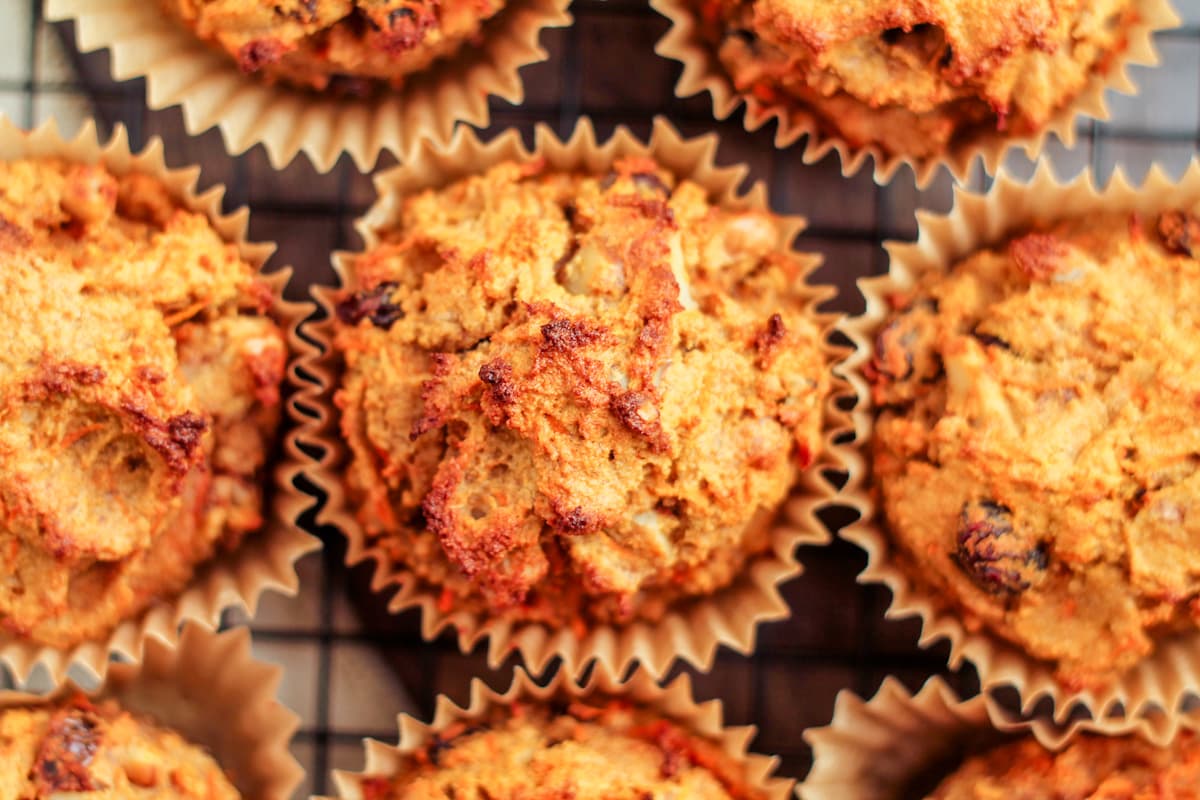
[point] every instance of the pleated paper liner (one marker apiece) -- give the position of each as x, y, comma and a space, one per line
976, 221
265, 559
703, 72
212, 692
897, 746
692, 630
180, 69
673, 702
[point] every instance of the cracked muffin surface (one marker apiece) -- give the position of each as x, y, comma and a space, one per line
1037, 448
89, 750
582, 749
350, 42
140, 385
917, 78
576, 398
1089, 768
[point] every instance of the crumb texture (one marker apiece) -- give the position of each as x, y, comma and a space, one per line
1090, 768
572, 395
349, 43
919, 77
98, 751
1036, 447
140, 384
581, 751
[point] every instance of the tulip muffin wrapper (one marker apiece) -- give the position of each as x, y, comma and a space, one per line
673, 702
265, 559
703, 71
897, 741
1161, 681
210, 690
181, 69
691, 631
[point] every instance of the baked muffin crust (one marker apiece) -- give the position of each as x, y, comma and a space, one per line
353, 42
601, 749
917, 78
96, 751
576, 398
1036, 450
1090, 768
140, 397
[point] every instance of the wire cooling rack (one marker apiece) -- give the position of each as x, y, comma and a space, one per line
348, 668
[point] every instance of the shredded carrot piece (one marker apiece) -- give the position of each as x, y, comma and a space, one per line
185, 314
75, 435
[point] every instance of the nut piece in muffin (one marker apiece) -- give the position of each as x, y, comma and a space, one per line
916, 79
353, 43
140, 387
1090, 768
1037, 448
574, 398
586, 749
97, 750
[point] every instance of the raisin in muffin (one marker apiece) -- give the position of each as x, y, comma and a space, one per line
140, 381
1036, 446
1090, 768
97, 750
353, 42
574, 398
915, 79
598, 748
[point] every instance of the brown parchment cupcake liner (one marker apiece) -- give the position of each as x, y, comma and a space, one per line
879, 748
691, 631
1161, 681
211, 691
703, 71
180, 69
265, 560
673, 702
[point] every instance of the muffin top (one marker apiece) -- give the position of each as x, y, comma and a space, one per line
351, 42
599, 748
139, 382
576, 395
96, 751
916, 77
1090, 768
1036, 447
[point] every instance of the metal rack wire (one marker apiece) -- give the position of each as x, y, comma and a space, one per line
349, 668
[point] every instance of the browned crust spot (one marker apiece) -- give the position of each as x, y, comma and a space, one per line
65, 753
1180, 232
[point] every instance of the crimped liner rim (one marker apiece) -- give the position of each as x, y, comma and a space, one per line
871, 749
693, 633
265, 559
673, 701
1160, 682
211, 691
703, 72
180, 69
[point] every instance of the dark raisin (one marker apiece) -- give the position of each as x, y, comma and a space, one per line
64, 757
1180, 232
990, 340
400, 14
947, 57
999, 558
893, 350
650, 182
372, 304
608, 180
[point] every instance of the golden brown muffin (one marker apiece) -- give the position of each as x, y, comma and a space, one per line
140, 386
573, 397
1090, 768
586, 750
354, 42
96, 751
917, 78
1037, 447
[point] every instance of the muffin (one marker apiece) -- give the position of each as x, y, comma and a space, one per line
587, 748
142, 382
99, 750
1034, 452
1090, 767
351, 43
574, 398
917, 79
